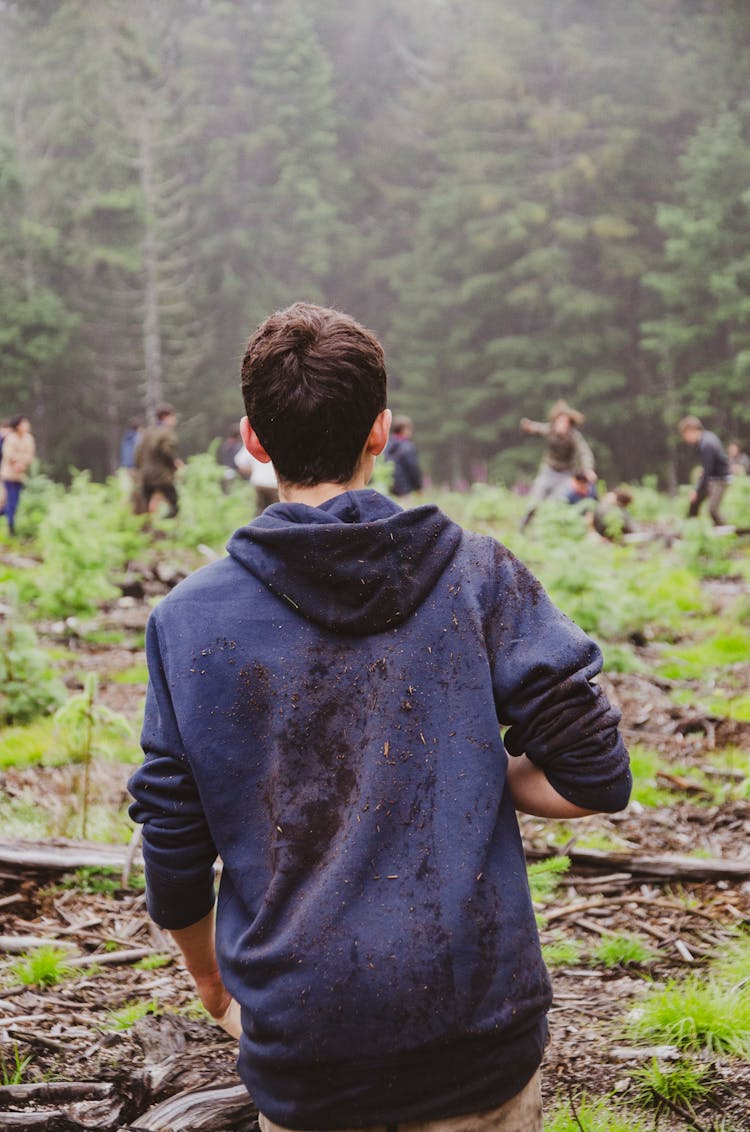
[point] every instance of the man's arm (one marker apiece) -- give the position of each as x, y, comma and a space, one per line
544, 671
584, 456
197, 946
534, 428
533, 794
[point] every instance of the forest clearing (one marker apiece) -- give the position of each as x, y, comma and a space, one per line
643, 914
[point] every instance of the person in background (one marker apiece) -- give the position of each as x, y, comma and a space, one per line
714, 475
4, 430
18, 454
157, 462
225, 455
566, 453
611, 518
580, 488
129, 443
262, 477
340, 747
739, 461
402, 453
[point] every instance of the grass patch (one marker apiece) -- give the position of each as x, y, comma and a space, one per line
732, 966
127, 1016
622, 658
153, 962
562, 953
136, 674
29, 745
728, 644
93, 881
645, 764
593, 1116
13, 1068
683, 1084
601, 842
102, 636
696, 1013
22, 818
623, 949
544, 876
45, 967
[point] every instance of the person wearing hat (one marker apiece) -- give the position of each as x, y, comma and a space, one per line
566, 453
156, 461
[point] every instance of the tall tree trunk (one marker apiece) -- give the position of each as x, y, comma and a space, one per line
152, 359
113, 438
29, 269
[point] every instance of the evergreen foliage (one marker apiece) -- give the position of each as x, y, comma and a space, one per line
526, 201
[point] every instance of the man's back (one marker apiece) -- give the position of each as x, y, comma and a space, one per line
156, 454
329, 700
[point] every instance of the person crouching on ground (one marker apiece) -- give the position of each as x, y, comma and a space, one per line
339, 746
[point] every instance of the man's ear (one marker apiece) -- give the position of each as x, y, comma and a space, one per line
378, 437
252, 443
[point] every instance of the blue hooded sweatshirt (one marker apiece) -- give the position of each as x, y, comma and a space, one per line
324, 714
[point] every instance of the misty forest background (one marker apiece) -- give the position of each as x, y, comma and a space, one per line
525, 199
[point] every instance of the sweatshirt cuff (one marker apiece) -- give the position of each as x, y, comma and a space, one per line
179, 905
608, 794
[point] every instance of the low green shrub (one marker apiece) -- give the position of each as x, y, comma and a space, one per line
29, 686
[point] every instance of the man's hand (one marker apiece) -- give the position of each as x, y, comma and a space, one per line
196, 943
213, 994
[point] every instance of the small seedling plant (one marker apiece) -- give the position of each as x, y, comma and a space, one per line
45, 966
87, 728
682, 1084
623, 949
130, 1013
13, 1068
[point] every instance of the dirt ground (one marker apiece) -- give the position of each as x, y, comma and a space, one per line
70, 1034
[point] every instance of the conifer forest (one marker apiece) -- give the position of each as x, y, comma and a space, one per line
527, 201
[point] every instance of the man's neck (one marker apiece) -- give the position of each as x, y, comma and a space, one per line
320, 492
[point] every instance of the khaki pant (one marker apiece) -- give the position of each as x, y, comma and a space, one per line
713, 491
522, 1113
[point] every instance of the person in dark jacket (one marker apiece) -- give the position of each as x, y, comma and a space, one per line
325, 714
402, 453
714, 475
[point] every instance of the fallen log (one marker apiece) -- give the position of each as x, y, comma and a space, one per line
216, 1109
669, 866
62, 856
54, 1092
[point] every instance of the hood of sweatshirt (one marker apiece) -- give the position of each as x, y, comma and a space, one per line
358, 564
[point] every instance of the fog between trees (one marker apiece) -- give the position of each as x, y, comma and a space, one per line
526, 199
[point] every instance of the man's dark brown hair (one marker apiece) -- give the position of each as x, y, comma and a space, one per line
313, 382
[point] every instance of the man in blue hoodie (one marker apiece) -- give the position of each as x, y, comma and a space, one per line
325, 714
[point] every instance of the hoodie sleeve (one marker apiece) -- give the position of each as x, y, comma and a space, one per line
178, 850
543, 670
